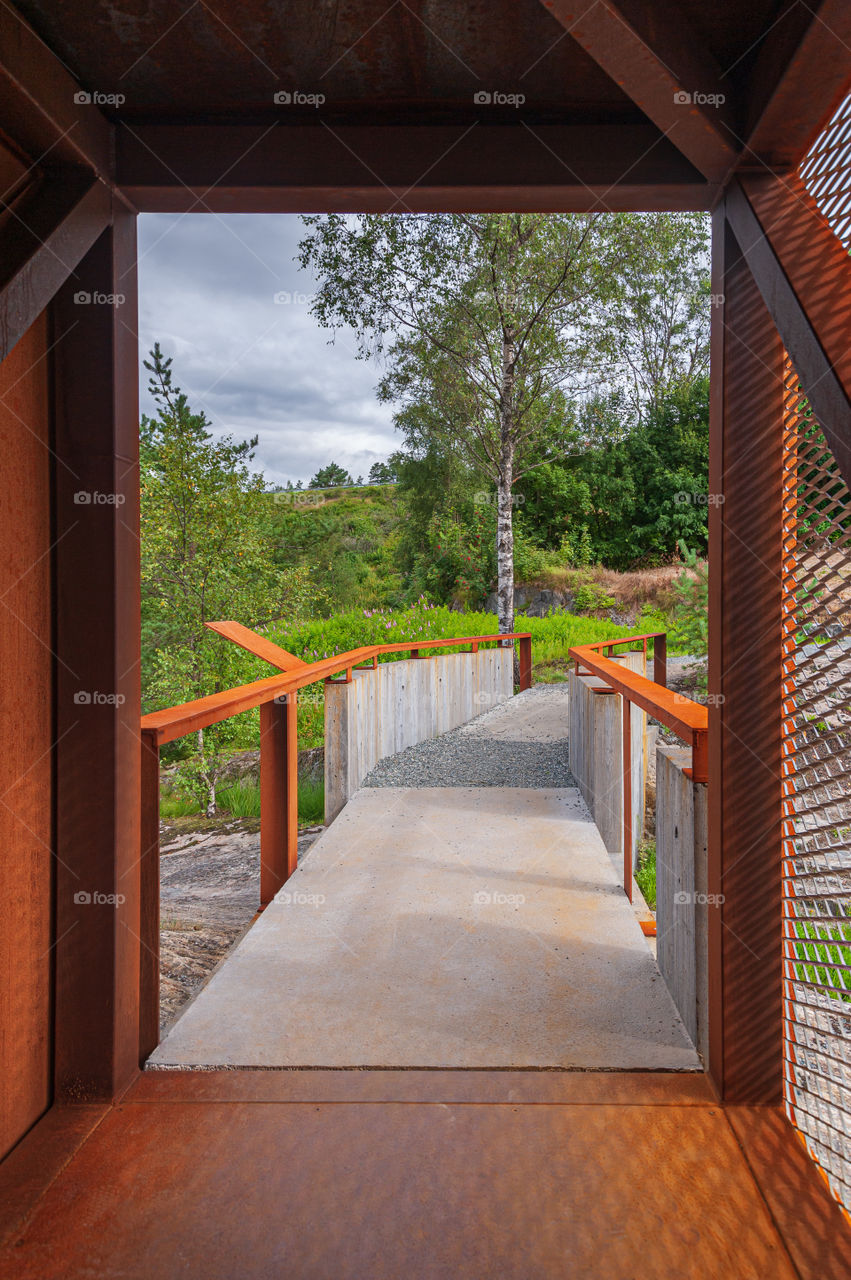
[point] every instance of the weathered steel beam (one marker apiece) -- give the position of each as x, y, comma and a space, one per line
43, 108
801, 74
48, 230
804, 275
651, 53
745, 685
299, 168
98, 653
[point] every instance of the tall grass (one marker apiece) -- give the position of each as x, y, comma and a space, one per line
242, 800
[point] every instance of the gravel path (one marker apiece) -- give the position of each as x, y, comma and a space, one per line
521, 743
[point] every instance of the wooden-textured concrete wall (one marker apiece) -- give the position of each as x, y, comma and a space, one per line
595, 727
26, 731
682, 903
385, 710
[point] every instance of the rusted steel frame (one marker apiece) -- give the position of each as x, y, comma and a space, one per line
278, 794
660, 658
798, 79
97, 643
687, 718
149, 918
626, 790
803, 273
51, 226
259, 645
655, 58
296, 168
38, 102
660, 651
525, 647
176, 722
745, 685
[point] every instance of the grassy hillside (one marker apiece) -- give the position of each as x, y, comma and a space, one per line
347, 537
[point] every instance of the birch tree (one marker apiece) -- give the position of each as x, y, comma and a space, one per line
484, 315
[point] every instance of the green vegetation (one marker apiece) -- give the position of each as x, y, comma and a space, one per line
825, 950
645, 874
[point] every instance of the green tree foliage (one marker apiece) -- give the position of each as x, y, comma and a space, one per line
205, 556
330, 477
480, 318
382, 473
654, 325
632, 499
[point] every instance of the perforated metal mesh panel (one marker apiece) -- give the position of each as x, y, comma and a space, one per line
826, 172
817, 794
817, 742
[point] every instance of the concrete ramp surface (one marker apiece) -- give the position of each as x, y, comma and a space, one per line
443, 927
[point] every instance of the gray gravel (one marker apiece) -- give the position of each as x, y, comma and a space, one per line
479, 755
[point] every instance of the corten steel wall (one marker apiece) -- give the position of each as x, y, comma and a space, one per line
26, 731
817, 742
98, 758
745, 684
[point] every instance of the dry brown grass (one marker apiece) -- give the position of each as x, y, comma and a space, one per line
642, 587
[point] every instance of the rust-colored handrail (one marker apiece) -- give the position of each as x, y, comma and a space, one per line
688, 719
176, 722
276, 696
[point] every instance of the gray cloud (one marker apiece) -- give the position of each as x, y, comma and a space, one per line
207, 288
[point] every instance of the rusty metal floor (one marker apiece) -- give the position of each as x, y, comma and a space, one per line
377, 1175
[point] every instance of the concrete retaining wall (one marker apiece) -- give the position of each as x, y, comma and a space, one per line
681, 889
383, 711
596, 754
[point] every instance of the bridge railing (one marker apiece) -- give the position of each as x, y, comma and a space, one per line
277, 698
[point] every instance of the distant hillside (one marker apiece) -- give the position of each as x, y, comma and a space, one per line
347, 536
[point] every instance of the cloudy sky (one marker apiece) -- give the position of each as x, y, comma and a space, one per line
207, 287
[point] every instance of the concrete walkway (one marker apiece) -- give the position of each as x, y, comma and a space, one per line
457, 926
